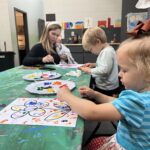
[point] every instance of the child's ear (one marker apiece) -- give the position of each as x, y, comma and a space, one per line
98, 41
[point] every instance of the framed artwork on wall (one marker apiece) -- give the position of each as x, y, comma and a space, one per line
133, 18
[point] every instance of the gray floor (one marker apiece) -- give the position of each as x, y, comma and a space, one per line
106, 128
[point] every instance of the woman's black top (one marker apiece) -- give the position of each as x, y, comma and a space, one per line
35, 55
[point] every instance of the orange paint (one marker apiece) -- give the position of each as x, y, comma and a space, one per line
36, 119
57, 83
3, 121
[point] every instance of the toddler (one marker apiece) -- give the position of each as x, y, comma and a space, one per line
105, 70
131, 108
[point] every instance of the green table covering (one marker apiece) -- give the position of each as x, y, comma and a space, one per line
36, 137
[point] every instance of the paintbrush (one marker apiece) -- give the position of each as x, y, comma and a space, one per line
54, 62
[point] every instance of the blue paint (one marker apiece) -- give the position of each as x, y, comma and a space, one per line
51, 75
40, 104
47, 83
2, 105
32, 103
64, 121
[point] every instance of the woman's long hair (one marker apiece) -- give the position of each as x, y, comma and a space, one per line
44, 39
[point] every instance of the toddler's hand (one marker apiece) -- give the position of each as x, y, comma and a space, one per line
63, 57
86, 92
85, 65
47, 59
85, 69
88, 65
63, 92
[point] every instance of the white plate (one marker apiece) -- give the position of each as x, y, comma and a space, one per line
49, 86
39, 76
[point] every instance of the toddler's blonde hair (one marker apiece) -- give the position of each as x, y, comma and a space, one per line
91, 37
138, 51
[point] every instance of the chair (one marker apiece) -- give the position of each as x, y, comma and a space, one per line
100, 129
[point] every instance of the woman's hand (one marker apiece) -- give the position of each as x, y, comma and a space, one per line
47, 59
86, 92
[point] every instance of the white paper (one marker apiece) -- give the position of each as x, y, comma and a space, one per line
88, 22
38, 111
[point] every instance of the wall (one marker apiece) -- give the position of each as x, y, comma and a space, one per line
5, 31
69, 10
148, 12
34, 11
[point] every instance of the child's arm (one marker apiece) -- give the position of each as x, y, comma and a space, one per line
90, 93
88, 109
85, 69
91, 65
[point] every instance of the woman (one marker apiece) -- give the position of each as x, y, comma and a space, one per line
45, 52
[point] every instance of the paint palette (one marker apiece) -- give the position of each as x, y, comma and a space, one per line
39, 76
49, 86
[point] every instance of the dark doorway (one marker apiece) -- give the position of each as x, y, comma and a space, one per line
22, 33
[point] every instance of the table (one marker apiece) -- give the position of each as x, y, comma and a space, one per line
32, 137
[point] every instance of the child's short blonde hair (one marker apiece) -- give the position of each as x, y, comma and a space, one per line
91, 37
138, 51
